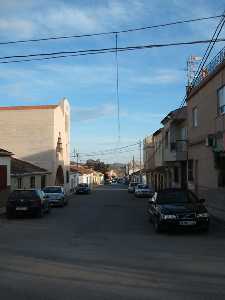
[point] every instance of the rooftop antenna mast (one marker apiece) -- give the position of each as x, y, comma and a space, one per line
192, 66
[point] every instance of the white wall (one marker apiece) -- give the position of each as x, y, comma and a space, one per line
25, 182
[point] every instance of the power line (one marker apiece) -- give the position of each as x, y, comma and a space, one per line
205, 57
110, 32
64, 54
110, 150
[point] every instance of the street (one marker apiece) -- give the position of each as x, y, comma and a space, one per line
101, 246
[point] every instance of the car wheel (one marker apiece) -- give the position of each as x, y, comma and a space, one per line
49, 209
40, 213
9, 215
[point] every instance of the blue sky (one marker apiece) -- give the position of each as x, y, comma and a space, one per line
152, 82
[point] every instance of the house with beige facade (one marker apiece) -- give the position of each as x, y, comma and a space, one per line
175, 148
165, 152
25, 175
206, 131
40, 135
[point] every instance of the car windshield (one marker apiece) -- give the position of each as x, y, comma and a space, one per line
24, 194
83, 185
167, 197
52, 190
133, 184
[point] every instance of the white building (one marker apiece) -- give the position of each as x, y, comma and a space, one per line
40, 135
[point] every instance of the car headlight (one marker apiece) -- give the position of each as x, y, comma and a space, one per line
203, 215
168, 217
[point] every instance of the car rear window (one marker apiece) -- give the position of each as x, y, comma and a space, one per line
83, 185
52, 190
24, 194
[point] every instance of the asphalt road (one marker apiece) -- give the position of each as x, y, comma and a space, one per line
102, 247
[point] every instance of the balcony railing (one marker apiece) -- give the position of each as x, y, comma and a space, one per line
217, 60
179, 146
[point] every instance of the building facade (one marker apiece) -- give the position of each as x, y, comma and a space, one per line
206, 130
25, 175
174, 146
40, 135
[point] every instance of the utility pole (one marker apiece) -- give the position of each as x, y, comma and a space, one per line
133, 168
140, 161
76, 155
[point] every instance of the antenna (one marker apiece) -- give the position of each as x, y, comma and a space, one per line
192, 66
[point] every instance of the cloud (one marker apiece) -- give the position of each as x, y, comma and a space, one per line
161, 76
81, 114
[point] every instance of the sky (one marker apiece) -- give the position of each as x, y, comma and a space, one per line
151, 82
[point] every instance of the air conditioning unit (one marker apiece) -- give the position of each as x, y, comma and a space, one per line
210, 140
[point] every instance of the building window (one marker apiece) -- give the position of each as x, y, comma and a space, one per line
190, 170
19, 183
32, 181
221, 100
43, 181
195, 117
176, 174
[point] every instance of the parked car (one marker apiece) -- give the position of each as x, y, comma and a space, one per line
107, 181
132, 186
55, 195
83, 188
144, 191
177, 208
32, 201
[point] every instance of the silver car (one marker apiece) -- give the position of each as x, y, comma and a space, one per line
143, 190
55, 195
132, 186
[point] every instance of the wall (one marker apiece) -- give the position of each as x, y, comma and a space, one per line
205, 181
28, 135
25, 182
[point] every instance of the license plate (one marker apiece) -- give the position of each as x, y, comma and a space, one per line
21, 208
187, 223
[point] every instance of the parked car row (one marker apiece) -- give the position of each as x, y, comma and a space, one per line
140, 190
35, 202
173, 208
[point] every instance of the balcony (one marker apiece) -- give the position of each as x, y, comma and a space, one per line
176, 152
210, 68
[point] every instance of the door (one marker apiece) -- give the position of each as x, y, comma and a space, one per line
3, 177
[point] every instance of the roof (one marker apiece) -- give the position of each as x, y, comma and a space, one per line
80, 169
179, 113
28, 107
21, 167
4, 152
157, 131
